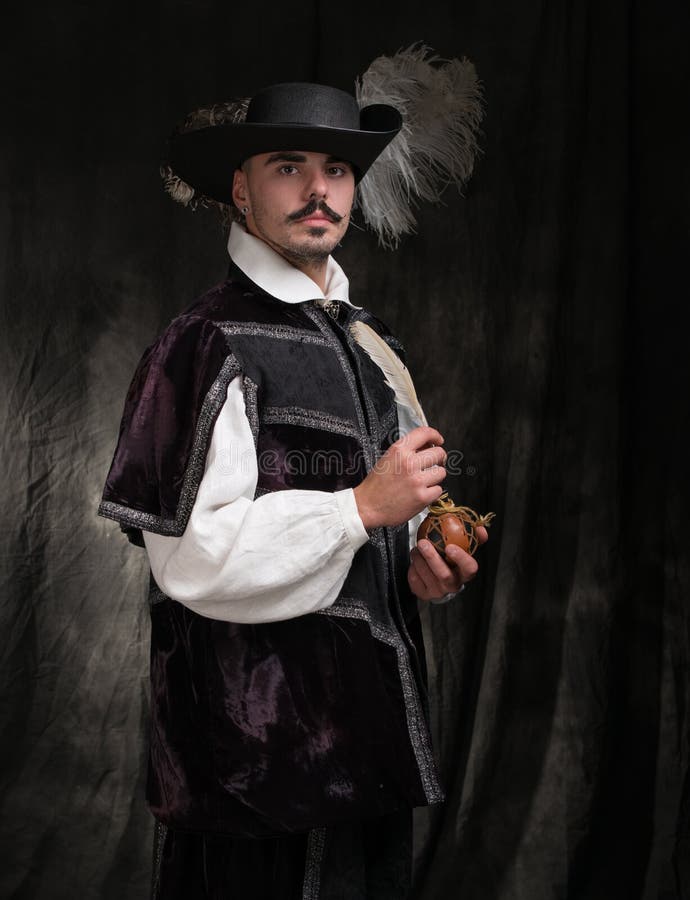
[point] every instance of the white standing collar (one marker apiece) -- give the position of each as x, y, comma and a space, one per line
280, 278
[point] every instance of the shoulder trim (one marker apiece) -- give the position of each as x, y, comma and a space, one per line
136, 520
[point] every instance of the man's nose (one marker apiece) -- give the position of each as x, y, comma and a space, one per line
317, 185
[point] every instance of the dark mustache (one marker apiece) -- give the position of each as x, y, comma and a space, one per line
312, 207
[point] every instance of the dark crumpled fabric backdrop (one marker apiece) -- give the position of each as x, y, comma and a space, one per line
542, 319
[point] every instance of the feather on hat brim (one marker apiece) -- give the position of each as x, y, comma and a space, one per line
441, 105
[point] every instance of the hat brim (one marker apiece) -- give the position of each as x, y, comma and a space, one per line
207, 158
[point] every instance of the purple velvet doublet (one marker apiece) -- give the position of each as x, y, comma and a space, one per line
283, 727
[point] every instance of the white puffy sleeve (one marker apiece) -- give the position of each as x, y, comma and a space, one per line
282, 555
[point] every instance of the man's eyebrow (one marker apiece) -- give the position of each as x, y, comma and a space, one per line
285, 157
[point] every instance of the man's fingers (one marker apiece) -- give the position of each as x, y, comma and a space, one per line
467, 565
418, 437
482, 534
432, 576
418, 586
433, 491
433, 476
434, 456
439, 572
417, 567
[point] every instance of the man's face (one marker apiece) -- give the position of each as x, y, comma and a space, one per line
299, 203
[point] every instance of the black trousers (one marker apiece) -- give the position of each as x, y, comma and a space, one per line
369, 860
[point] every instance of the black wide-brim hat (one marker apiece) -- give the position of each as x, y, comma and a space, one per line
296, 116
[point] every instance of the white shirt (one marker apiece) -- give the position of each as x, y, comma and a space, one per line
286, 553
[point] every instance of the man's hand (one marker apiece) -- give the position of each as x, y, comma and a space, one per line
404, 481
430, 578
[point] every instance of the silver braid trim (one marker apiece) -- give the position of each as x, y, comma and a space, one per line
316, 844
416, 721
212, 404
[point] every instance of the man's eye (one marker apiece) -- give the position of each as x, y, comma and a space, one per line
337, 170
287, 169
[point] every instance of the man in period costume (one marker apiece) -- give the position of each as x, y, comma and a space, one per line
257, 463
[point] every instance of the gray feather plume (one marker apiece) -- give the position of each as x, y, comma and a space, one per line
441, 105
231, 111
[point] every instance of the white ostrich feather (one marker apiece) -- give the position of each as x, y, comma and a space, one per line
441, 105
397, 378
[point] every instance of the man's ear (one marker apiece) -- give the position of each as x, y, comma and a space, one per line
239, 188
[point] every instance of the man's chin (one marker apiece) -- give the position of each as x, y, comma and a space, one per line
319, 234
317, 231
317, 244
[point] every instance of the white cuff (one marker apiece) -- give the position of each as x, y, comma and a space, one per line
446, 597
352, 523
